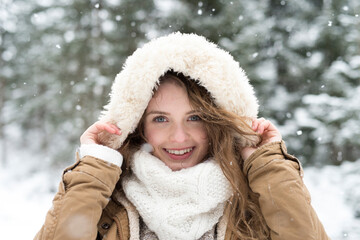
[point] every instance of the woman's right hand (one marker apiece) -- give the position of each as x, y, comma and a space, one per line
90, 136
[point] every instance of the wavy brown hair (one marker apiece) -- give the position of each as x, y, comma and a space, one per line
228, 134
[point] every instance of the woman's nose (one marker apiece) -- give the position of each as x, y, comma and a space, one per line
179, 133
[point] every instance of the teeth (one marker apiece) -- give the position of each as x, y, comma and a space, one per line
179, 152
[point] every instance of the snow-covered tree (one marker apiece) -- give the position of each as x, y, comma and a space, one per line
61, 58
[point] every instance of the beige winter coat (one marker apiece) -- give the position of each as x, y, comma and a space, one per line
87, 206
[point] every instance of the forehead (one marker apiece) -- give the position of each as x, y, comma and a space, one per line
169, 95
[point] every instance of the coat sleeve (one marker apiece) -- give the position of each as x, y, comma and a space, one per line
284, 199
83, 193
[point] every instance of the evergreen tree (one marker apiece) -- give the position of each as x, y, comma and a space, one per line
66, 66
334, 110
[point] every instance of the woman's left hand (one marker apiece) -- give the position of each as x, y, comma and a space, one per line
267, 130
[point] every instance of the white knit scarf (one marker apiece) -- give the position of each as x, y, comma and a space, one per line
177, 204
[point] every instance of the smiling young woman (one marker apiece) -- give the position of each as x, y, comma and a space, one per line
218, 133
173, 128
182, 115
180, 154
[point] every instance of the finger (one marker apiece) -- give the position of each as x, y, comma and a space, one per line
97, 127
256, 123
270, 126
114, 128
108, 127
91, 134
263, 126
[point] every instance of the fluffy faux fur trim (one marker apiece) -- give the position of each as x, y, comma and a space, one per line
190, 54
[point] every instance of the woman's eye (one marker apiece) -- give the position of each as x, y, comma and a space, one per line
160, 119
194, 118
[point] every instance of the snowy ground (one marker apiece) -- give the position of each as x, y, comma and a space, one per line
335, 195
25, 198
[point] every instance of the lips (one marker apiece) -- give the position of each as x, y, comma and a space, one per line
179, 154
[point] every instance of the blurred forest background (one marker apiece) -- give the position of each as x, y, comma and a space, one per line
58, 60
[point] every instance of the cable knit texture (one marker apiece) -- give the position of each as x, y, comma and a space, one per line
177, 204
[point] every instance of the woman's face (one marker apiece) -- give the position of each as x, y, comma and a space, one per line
174, 129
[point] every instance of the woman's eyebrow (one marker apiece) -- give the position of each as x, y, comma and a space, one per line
157, 112
166, 113
192, 111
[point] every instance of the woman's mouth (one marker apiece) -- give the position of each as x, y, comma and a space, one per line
179, 154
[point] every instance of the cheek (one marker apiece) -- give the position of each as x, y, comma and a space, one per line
153, 136
201, 137
202, 133
204, 137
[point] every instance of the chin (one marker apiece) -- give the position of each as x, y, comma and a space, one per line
180, 165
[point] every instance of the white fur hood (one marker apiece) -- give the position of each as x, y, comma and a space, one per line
190, 54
